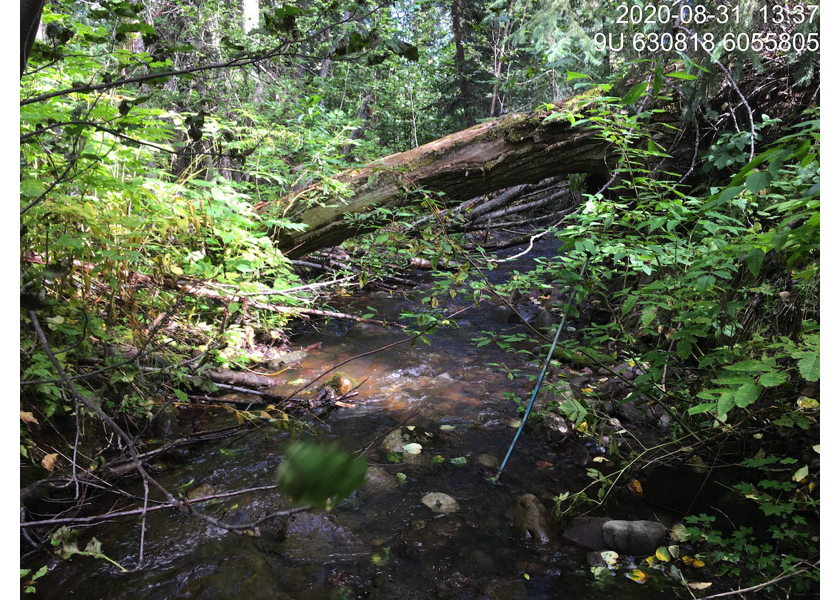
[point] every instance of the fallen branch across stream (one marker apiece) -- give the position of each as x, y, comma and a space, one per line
131, 513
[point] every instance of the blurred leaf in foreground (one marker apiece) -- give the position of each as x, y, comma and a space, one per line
319, 475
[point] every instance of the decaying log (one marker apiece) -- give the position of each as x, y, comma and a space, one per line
499, 154
239, 378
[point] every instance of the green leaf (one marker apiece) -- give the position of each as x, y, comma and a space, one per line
754, 259
681, 75
401, 48
809, 366
320, 475
571, 75
31, 188
758, 181
94, 547
705, 407
725, 403
705, 282
724, 197
657, 79
635, 93
628, 305
460, 461
772, 379
746, 395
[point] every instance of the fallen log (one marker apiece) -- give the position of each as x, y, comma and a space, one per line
499, 154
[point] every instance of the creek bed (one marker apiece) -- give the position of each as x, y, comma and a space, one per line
382, 541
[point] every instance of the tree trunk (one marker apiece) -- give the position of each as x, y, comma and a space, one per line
30, 18
488, 157
463, 99
250, 15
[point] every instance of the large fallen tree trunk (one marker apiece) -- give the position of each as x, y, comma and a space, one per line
495, 155
512, 151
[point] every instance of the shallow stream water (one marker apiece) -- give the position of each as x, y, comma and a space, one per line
382, 542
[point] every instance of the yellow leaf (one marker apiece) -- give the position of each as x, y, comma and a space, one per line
693, 562
697, 464
48, 462
635, 487
27, 417
801, 474
699, 586
609, 557
637, 575
586, 390
806, 403
679, 533
663, 554
651, 561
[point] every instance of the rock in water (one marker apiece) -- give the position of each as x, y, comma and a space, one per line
531, 519
440, 503
634, 537
543, 320
586, 532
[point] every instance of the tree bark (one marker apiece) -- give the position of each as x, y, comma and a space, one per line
30, 18
463, 99
491, 156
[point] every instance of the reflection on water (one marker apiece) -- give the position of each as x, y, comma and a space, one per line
382, 542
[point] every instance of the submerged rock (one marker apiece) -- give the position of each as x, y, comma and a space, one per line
549, 427
489, 461
532, 521
634, 537
440, 503
380, 481
544, 320
587, 532
506, 590
314, 538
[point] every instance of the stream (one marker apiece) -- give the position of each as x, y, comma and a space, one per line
382, 541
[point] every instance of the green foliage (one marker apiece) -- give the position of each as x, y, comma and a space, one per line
319, 475
29, 584
713, 294
67, 545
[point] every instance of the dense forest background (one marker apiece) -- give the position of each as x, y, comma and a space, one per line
169, 150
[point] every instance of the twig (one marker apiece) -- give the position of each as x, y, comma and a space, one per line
299, 288
52, 186
567, 214
361, 451
761, 586
130, 513
737, 91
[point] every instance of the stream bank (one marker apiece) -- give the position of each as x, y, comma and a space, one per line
384, 541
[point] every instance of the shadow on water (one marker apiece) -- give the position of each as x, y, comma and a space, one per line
382, 542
